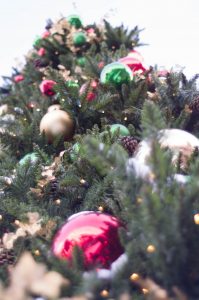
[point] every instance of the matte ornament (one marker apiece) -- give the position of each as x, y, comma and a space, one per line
75, 21
31, 157
41, 52
18, 78
57, 123
123, 130
116, 73
96, 234
79, 39
177, 140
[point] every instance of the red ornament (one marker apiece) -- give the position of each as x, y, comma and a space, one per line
41, 52
18, 78
91, 95
136, 55
101, 64
45, 34
96, 234
135, 65
46, 87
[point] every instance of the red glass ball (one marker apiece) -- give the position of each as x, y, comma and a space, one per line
135, 65
18, 78
46, 87
96, 234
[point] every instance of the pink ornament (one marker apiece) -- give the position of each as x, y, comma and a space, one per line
41, 52
46, 87
45, 34
101, 64
90, 30
18, 78
96, 234
91, 95
163, 73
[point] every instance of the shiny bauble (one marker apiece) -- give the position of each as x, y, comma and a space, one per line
72, 84
123, 130
81, 61
177, 140
41, 51
57, 123
75, 21
54, 107
96, 234
37, 41
135, 65
116, 73
79, 39
30, 157
46, 87
19, 78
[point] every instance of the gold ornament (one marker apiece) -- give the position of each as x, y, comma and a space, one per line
134, 277
151, 249
196, 219
54, 107
57, 123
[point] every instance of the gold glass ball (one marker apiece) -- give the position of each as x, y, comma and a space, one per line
57, 123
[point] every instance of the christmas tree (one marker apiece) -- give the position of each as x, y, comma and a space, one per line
99, 171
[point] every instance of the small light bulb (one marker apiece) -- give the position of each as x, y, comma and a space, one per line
145, 291
58, 201
125, 118
17, 222
1, 217
100, 208
37, 252
196, 219
38, 109
104, 293
151, 249
139, 200
134, 277
82, 181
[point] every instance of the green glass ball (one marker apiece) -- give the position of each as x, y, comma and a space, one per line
37, 41
123, 130
31, 157
75, 151
79, 39
72, 84
75, 21
116, 73
81, 61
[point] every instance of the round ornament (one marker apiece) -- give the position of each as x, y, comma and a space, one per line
96, 234
41, 51
19, 78
116, 73
177, 140
134, 64
45, 34
37, 41
54, 107
79, 39
31, 157
81, 61
123, 130
72, 84
136, 55
75, 21
57, 123
46, 87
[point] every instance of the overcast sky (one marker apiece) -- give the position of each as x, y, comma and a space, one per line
171, 27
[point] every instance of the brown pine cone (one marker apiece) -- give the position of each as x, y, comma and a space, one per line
7, 257
194, 105
130, 144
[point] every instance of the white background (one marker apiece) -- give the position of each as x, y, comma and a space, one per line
171, 27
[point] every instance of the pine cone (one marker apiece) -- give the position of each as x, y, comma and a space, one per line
7, 257
194, 105
130, 144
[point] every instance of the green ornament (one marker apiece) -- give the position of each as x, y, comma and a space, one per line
32, 157
116, 73
75, 21
37, 41
123, 130
81, 61
72, 84
79, 39
75, 151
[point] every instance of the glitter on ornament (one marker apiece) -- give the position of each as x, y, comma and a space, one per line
116, 73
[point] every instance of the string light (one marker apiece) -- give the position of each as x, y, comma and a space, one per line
17, 222
82, 181
139, 200
100, 208
134, 277
104, 293
125, 118
37, 252
58, 201
38, 109
145, 291
151, 249
196, 219
1, 217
